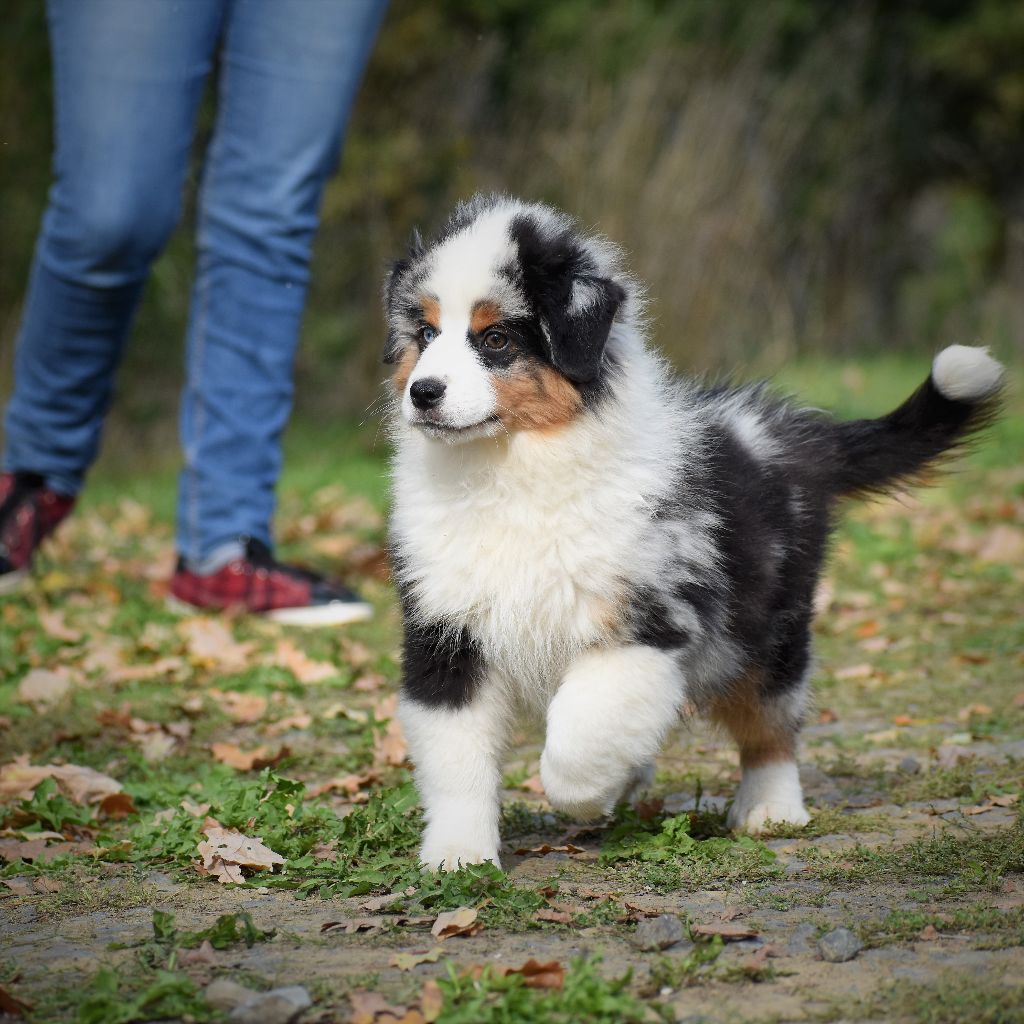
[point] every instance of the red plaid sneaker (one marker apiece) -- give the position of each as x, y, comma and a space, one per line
29, 512
258, 583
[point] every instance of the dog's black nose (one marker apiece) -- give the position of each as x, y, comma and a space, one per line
427, 392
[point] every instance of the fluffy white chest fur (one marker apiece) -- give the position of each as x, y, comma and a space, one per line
528, 541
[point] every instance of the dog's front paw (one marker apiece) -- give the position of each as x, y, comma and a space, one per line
770, 793
581, 796
754, 818
441, 856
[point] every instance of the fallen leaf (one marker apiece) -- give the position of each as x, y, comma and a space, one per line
299, 721
42, 688
350, 785
902, 720
367, 1005
550, 914
170, 667
117, 805
407, 961
303, 667
53, 623
226, 851
929, 933
729, 931
548, 848
210, 642
826, 716
204, 956
532, 785
431, 1001
247, 760
375, 903
156, 746
241, 707
854, 672
1005, 799
18, 780
456, 922
18, 886
538, 975
389, 747
11, 1004
42, 884
965, 714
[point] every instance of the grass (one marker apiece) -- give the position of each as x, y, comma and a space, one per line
939, 615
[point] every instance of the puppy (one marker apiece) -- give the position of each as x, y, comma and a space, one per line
581, 537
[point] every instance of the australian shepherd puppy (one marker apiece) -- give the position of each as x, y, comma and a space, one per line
581, 537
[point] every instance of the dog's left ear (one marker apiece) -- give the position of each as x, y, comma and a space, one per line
578, 331
392, 348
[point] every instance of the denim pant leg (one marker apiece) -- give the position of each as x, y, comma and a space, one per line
128, 78
289, 73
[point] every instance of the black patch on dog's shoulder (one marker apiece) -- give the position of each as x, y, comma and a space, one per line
441, 667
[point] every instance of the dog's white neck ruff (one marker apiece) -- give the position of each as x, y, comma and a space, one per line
528, 539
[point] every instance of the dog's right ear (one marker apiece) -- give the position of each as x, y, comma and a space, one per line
392, 288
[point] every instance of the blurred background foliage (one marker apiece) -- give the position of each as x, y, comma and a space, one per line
790, 177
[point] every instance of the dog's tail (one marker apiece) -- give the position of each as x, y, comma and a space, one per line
960, 398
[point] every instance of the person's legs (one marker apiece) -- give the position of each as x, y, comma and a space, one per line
128, 78
289, 73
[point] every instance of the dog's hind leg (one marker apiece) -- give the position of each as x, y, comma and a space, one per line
605, 725
765, 727
457, 753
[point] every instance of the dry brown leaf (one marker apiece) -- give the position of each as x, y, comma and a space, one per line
863, 671
117, 805
389, 747
538, 975
303, 667
11, 1004
247, 760
299, 721
532, 785
241, 707
226, 851
43, 688
204, 956
367, 1005
171, 666
728, 930
210, 642
544, 848
53, 623
965, 714
557, 916
929, 933
456, 922
42, 884
902, 720
431, 1001
826, 716
18, 780
156, 746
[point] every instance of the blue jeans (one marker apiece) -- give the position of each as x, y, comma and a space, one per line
128, 79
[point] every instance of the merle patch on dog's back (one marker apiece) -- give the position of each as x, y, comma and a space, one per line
581, 537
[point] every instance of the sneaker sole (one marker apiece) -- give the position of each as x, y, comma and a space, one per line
338, 613
11, 582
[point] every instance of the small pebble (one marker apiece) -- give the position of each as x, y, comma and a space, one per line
910, 765
838, 946
278, 1006
654, 933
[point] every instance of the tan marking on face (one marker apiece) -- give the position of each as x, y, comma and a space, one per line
484, 314
763, 732
536, 398
403, 370
431, 311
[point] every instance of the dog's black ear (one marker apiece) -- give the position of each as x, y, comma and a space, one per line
575, 306
392, 347
578, 331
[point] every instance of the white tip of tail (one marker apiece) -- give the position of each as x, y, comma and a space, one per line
966, 374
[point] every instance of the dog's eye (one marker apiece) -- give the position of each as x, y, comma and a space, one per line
495, 341
427, 334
